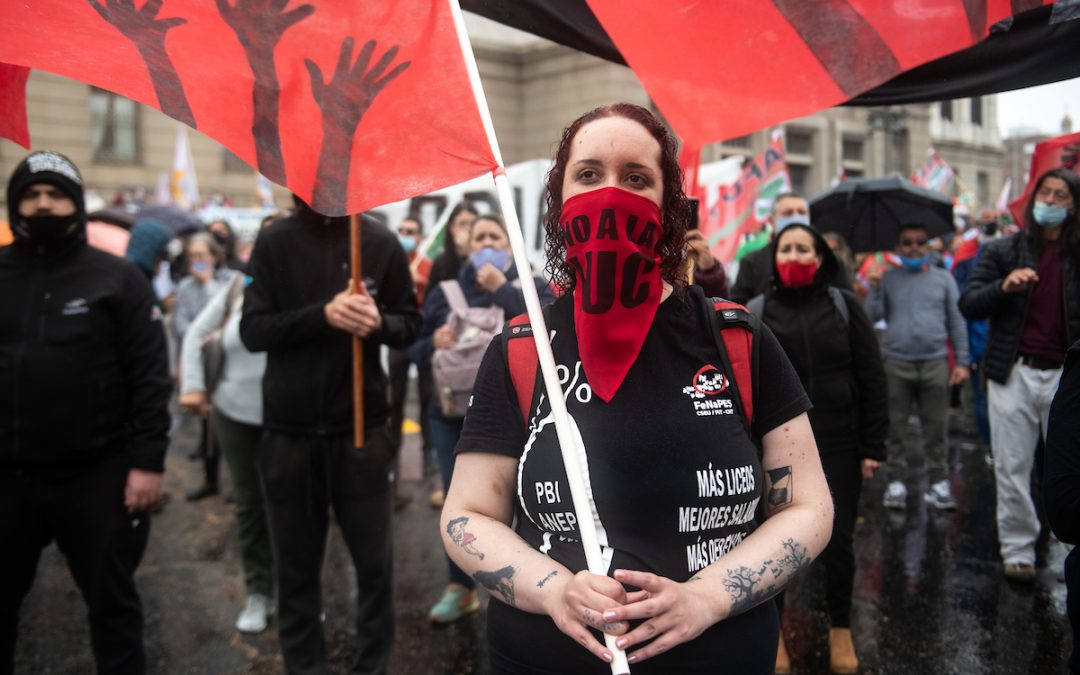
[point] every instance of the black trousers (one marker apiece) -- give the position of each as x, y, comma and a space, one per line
103, 544
303, 477
843, 472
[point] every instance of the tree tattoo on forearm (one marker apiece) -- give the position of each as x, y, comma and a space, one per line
500, 581
466, 540
260, 25
750, 587
142, 27
343, 101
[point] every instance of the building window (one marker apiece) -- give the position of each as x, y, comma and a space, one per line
799, 142
982, 187
740, 142
233, 164
800, 177
114, 128
946, 110
852, 149
976, 111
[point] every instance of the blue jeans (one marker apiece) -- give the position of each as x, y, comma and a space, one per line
444, 436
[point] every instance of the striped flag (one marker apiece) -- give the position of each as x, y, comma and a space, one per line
935, 174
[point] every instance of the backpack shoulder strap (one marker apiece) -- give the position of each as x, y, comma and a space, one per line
757, 305
735, 330
522, 360
455, 297
841, 304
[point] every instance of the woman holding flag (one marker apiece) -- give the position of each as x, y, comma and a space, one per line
694, 505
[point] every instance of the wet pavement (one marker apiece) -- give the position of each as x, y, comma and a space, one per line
929, 593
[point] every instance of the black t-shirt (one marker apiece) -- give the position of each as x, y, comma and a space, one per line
675, 479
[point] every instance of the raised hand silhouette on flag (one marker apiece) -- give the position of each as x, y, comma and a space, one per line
260, 25
343, 102
142, 27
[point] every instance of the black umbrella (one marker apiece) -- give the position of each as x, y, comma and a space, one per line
179, 221
869, 212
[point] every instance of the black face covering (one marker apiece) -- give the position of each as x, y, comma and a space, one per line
46, 229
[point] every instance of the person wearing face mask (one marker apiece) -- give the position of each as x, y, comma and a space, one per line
207, 276
84, 421
755, 270
832, 345
1026, 284
490, 279
918, 302
674, 472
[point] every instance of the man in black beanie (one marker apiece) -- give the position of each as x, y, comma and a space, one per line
84, 389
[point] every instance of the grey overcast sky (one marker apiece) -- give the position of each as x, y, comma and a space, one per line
1040, 107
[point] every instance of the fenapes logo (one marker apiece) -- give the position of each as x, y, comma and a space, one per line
708, 383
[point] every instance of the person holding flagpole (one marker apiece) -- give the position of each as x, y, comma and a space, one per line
675, 473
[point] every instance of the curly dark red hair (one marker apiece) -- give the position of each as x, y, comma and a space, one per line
676, 210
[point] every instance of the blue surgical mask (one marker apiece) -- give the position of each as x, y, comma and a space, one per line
1049, 216
201, 267
914, 264
407, 243
782, 222
499, 258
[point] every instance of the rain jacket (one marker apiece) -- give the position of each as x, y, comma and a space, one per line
83, 363
983, 299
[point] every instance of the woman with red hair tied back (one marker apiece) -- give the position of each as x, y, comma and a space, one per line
691, 488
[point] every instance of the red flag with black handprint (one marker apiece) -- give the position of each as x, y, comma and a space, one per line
1054, 153
13, 104
281, 84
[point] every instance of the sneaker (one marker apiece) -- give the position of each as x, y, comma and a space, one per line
939, 496
456, 602
438, 498
1022, 572
256, 614
895, 496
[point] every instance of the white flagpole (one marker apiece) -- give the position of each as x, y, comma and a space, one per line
571, 448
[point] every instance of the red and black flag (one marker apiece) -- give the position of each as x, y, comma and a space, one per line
350, 105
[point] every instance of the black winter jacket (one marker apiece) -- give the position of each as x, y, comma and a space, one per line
983, 299
839, 365
298, 265
84, 370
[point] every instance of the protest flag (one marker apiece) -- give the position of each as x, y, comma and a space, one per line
935, 173
742, 65
183, 185
1002, 203
349, 105
1061, 151
743, 207
13, 124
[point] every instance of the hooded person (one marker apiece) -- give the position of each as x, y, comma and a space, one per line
846, 381
80, 342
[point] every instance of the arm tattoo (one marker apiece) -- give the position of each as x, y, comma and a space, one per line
750, 587
500, 581
466, 540
780, 493
552, 573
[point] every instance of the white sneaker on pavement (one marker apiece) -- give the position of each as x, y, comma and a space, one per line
895, 495
256, 614
940, 496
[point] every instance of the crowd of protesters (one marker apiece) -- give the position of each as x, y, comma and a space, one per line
847, 350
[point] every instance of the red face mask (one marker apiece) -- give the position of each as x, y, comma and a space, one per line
796, 274
611, 237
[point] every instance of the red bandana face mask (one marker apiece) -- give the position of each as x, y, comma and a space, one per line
611, 237
796, 274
